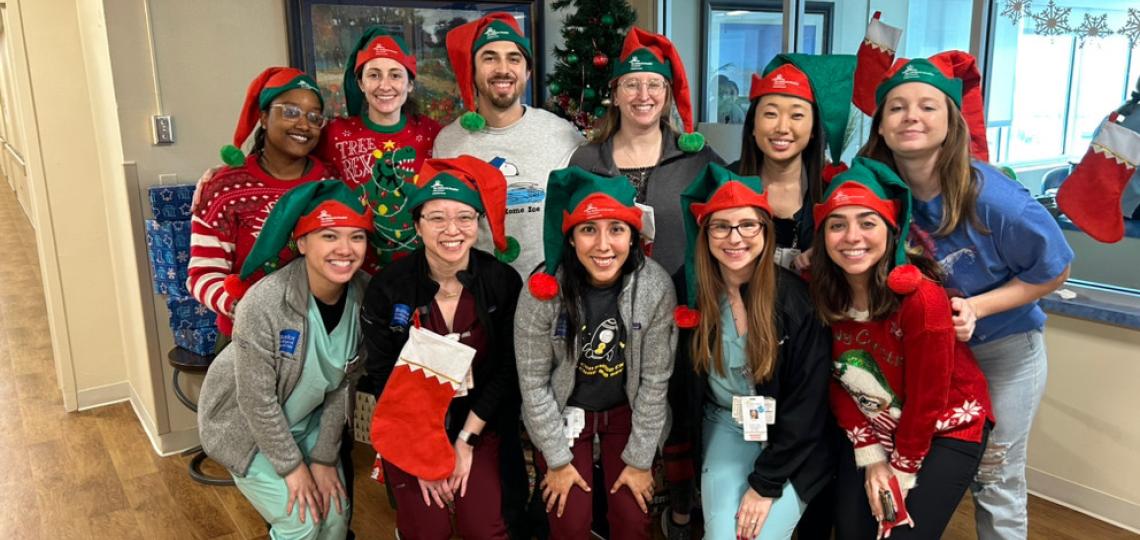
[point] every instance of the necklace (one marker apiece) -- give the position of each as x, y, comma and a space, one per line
450, 294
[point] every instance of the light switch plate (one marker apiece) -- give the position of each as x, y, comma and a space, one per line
163, 129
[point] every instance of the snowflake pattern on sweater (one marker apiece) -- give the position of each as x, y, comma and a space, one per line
231, 210
901, 381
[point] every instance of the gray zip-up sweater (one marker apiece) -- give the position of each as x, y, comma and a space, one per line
239, 408
547, 376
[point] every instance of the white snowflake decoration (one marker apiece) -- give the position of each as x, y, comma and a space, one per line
1054, 21
1093, 27
859, 435
1131, 29
1016, 9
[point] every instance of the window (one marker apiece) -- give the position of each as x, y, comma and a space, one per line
740, 38
1045, 97
1047, 93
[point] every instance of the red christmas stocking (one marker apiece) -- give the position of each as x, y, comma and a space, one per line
1091, 195
407, 425
874, 58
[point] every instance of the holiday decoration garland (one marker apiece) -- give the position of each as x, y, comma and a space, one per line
1053, 20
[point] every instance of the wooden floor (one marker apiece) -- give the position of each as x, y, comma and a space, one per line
94, 474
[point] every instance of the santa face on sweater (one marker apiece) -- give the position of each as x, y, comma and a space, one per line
860, 375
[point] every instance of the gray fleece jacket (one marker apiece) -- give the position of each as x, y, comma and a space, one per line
547, 376
239, 408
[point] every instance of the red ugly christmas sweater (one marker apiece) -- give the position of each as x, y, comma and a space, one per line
899, 382
348, 145
231, 209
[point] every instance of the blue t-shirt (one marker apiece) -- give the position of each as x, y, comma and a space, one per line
1024, 242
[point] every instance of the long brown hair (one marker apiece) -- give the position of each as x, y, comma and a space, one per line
752, 159
762, 340
608, 125
831, 292
956, 177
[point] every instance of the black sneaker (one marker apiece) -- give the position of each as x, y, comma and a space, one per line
674, 531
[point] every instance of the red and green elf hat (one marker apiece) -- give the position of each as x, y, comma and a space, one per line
261, 92
873, 184
302, 210
376, 42
715, 188
646, 52
956, 74
575, 195
464, 41
474, 182
829, 81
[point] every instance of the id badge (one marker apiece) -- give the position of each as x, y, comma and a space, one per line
755, 413
786, 257
573, 420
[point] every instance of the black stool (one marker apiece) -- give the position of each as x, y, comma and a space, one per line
183, 360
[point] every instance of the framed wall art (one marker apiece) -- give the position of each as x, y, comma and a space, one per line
322, 32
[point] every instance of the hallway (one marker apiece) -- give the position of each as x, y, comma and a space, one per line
93, 474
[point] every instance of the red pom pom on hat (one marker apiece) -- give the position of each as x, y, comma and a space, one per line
830, 170
543, 286
904, 279
235, 287
686, 317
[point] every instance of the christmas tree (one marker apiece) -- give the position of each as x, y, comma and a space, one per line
592, 38
384, 194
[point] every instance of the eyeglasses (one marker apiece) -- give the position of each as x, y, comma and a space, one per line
293, 113
746, 229
632, 87
440, 222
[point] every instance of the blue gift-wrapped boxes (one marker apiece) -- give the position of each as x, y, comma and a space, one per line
197, 340
168, 243
188, 313
170, 280
171, 203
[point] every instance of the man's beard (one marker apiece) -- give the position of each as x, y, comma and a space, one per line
499, 101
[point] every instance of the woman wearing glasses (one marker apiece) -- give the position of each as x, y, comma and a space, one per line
284, 105
383, 122
636, 138
450, 288
752, 366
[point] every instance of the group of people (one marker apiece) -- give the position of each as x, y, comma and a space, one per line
801, 343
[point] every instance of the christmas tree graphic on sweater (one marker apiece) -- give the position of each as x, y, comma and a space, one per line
384, 194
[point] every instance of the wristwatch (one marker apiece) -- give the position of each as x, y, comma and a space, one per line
472, 439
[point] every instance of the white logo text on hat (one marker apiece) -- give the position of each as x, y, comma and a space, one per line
329, 220
911, 72
593, 212
491, 33
380, 49
779, 82
637, 64
305, 84
437, 188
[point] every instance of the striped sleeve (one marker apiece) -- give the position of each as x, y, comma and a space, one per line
211, 260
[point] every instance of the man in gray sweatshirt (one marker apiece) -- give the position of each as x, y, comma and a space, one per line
492, 63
